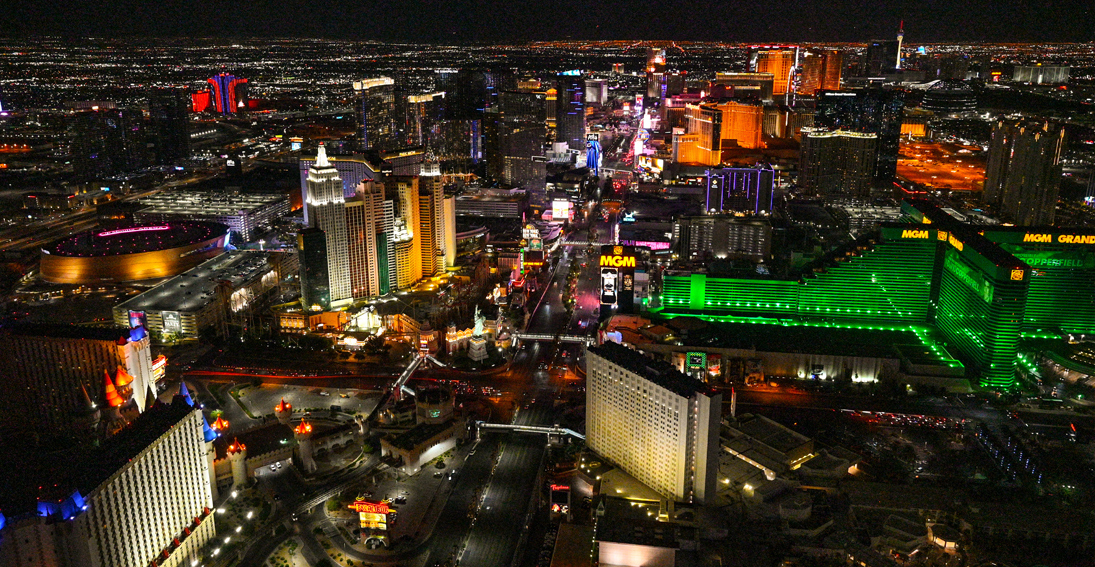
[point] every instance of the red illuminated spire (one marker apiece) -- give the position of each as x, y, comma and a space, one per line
220, 425
283, 407
304, 428
110, 393
122, 378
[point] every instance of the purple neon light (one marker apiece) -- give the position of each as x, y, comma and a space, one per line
135, 229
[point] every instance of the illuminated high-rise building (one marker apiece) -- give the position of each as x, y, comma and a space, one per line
837, 163
658, 425
570, 112
141, 498
717, 127
740, 189
368, 225
1023, 173
229, 93
431, 212
408, 230
315, 285
820, 71
379, 128
778, 62
423, 111
655, 73
327, 211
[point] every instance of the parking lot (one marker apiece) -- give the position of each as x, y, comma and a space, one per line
262, 399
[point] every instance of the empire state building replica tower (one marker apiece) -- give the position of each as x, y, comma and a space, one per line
327, 212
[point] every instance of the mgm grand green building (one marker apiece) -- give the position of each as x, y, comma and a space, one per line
977, 291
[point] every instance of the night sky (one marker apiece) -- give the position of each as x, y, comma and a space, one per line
468, 21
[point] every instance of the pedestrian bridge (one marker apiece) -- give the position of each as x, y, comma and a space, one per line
481, 425
562, 338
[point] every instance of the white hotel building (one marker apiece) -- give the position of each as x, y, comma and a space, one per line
657, 424
142, 499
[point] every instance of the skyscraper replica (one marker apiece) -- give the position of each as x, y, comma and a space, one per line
1023, 173
837, 163
657, 424
142, 498
431, 214
326, 208
369, 228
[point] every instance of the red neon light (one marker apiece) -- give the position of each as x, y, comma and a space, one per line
560, 487
364, 507
137, 229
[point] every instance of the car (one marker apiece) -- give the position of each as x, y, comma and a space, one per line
273, 467
438, 474
344, 395
324, 393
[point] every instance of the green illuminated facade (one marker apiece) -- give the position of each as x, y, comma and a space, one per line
982, 288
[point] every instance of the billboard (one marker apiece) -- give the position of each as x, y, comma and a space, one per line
172, 322
560, 210
696, 364
617, 265
137, 319
372, 515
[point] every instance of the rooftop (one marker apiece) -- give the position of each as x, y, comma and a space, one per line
196, 288
418, 434
60, 331
659, 372
208, 202
259, 440
135, 239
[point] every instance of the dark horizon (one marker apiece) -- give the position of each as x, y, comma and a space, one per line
464, 22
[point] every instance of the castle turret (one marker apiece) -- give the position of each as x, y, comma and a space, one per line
283, 411
209, 435
303, 435
237, 456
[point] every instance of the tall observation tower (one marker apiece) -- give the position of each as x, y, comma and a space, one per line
900, 38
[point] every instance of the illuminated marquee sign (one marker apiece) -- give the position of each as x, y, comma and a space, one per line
1061, 238
618, 261
134, 229
366, 507
914, 234
955, 242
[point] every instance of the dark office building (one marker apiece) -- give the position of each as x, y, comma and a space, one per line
871, 111
1023, 173
880, 58
169, 125
109, 142
570, 112
523, 106
467, 92
314, 283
